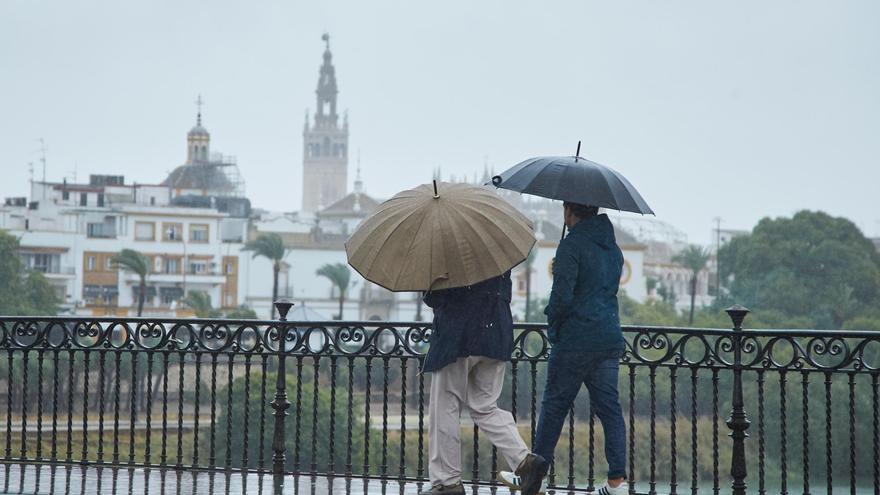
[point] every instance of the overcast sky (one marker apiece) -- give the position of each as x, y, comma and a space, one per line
740, 110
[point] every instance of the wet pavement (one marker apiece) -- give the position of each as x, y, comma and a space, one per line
75, 480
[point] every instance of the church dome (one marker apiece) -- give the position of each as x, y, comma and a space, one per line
205, 176
198, 130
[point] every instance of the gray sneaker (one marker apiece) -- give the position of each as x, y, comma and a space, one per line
456, 489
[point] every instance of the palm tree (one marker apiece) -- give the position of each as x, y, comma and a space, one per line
134, 262
530, 260
340, 276
271, 247
694, 258
200, 302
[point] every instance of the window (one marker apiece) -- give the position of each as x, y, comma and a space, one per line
230, 268
108, 263
83, 199
90, 263
198, 267
172, 232
198, 233
172, 265
152, 200
43, 262
144, 231
100, 230
65, 195
100, 199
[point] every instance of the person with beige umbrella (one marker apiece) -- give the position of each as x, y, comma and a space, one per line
456, 243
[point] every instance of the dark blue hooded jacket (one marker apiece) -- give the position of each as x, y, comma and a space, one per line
582, 313
471, 321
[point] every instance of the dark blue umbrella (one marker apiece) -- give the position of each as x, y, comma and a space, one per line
573, 179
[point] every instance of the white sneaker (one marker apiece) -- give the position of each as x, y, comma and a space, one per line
514, 482
621, 489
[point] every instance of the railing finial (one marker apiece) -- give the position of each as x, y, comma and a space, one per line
283, 307
737, 314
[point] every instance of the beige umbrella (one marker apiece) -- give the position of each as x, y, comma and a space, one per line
439, 236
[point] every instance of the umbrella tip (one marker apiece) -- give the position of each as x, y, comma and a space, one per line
577, 153
496, 181
436, 194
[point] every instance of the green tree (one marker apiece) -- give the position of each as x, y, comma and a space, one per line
22, 292
312, 404
693, 258
200, 302
340, 276
271, 247
135, 262
242, 313
813, 268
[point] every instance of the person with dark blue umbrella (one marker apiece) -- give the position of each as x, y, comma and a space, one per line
582, 314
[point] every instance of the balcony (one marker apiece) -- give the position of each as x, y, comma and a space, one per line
58, 271
348, 415
213, 278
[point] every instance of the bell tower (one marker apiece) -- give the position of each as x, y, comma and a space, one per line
198, 140
325, 144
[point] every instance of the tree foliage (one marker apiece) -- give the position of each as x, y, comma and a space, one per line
135, 262
694, 259
200, 302
340, 276
22, 292
271, 247
810, 270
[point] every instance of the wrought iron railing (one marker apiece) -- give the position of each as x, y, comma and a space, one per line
346, 400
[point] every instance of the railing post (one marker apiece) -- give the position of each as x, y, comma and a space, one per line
280, 403
738, 422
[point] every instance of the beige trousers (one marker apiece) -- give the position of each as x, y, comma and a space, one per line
474, 382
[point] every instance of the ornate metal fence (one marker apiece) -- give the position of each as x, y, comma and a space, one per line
346, 400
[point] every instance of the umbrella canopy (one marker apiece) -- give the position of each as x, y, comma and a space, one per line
439, 236
573, 179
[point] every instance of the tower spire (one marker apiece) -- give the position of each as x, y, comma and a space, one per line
327, 90
358, 183
199, 110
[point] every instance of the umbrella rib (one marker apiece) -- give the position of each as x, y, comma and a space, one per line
410, 246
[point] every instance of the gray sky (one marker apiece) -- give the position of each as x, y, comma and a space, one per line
740, 110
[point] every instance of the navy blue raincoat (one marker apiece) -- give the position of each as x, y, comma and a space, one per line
583, 313
471, 321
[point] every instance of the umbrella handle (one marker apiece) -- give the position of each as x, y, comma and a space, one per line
563, 233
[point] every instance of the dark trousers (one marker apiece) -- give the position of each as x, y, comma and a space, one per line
567, 371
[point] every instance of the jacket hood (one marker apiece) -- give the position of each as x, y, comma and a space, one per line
598, 229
